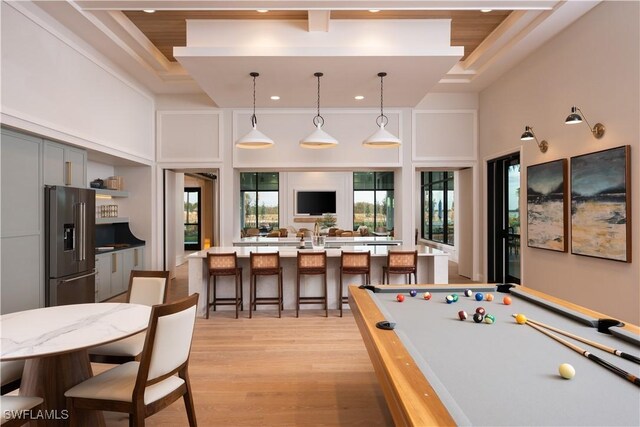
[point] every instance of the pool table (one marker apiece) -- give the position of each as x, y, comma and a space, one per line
435, 369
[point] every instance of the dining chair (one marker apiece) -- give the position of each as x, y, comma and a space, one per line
16, 409
142, 388
146, 288
401, 262
11, 374
252, 232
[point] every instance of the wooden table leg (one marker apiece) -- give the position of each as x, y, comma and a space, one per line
50, 377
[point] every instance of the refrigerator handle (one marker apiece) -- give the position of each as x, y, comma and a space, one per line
83, 232
93, 273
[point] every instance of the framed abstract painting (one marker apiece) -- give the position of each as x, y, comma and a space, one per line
601, 204
547, 195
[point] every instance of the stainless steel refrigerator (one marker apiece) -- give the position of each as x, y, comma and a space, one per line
69, 245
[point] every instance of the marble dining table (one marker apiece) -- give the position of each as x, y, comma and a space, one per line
53, 341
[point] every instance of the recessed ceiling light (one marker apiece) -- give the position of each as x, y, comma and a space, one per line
149, 10
485, 10
262, 10
275, 97
374, 10
358, 97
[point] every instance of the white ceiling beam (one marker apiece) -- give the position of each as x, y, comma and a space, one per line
318, 20
317, 4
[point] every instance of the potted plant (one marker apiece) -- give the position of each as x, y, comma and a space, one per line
328, 221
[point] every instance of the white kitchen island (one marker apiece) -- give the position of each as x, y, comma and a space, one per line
433, 267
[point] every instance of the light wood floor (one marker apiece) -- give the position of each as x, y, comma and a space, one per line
267, 371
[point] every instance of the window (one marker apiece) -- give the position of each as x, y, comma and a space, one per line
437, 207
192, 235
373, 201
259, 196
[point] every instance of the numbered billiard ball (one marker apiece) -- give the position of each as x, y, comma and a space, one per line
455, 297
427, 296
468, 293
479, 296
521, 319
462, 315
488, 297
489, 318
506, 300
449, 299
399, 297
478, 318
413, 292
481, 310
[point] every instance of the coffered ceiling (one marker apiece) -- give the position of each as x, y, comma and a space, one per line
168, 29
156, 49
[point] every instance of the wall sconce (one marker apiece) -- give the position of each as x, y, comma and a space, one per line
598, 129
529, 135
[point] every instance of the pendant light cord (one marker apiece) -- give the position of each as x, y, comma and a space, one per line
254, 119
318, 96
318, 119
382, 118
381, 95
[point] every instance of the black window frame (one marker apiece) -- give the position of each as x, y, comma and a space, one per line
426, 231
375, 188
194, 246
256, 190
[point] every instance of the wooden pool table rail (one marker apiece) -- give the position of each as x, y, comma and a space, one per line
411, 399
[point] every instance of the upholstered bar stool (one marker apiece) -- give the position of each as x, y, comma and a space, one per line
312, 263
225, 264
353, 263
401, 262
265, 265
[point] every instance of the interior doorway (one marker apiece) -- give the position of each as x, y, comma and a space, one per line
191, 213
503, 188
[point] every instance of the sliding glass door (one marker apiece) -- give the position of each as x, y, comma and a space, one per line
503, 181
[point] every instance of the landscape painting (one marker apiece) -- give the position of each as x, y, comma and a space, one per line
601, 204
546, 205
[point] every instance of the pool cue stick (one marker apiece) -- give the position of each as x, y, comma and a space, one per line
620, 372
602, 347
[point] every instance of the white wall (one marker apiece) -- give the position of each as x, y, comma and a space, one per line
593, 64
54, 86
340, 182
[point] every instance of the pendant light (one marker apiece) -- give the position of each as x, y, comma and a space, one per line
318, 138
382, 138
254, 139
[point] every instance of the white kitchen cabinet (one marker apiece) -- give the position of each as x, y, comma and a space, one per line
113, 271
133, 260
22, 234
64, 165
103, 277
117, 277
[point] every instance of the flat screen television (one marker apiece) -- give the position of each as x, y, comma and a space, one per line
315, 202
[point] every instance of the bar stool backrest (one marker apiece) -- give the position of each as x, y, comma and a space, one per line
402, 260
222, 263
264, 263
312, 260
355, 261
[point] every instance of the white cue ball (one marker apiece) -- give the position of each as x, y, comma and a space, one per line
566, 371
